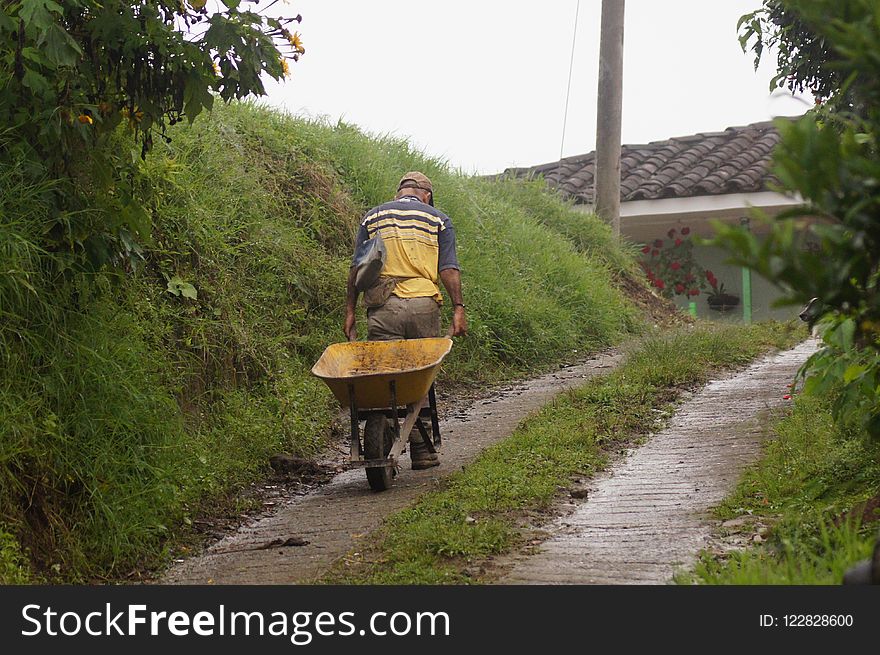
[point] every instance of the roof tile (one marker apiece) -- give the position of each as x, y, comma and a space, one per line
714, 163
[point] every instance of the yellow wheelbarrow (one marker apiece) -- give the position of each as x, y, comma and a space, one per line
382, 382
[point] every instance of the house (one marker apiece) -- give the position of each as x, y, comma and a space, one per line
686, 182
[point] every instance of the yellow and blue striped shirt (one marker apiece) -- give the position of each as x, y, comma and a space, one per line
420, 242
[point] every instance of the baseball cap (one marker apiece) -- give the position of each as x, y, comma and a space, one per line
417, 180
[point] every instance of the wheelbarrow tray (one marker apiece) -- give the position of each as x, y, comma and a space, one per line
368, 367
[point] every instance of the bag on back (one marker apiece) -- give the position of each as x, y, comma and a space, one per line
369, 259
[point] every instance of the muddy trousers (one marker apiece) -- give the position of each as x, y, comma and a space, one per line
405, 318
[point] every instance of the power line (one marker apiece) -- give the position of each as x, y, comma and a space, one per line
570, 69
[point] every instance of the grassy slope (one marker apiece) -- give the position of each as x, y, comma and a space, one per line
124, 407
818, 485
478, 513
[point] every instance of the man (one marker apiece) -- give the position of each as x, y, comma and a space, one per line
405, 302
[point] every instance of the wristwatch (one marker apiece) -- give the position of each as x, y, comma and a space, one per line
458, 304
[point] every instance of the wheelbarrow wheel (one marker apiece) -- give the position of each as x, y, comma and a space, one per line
378, 437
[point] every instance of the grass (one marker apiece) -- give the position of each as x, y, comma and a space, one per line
818, 486
127, 409
480, 510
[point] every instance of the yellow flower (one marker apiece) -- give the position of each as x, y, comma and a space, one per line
216, 68
134, 117
297, 43
285, 67
85, 119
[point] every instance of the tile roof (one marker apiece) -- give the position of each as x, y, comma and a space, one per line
706, 164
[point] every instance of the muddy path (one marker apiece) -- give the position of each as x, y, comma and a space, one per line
305, 535
649, 515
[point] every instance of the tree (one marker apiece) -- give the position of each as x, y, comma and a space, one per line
829, 157
801, 54
72, 70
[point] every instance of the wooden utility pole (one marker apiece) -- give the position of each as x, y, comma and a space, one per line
607, 192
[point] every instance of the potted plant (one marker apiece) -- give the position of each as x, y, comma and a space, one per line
719, 299
671, 267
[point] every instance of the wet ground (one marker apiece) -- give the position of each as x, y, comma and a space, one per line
302, 538
649, 516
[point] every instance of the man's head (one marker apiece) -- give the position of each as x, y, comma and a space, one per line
418, 185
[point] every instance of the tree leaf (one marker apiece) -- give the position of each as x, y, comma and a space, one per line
853, 371
36, 83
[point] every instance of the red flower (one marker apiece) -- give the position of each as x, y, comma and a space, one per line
659, 284
685, 230
678, 242
787, 397
675, 266
679, 288
694, 292
658, 243
646, 249
671, 233
654, 253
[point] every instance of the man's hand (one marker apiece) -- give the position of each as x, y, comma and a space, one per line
349, 327
451, 278
459, 323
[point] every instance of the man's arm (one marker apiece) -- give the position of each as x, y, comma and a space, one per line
451, 278
349, 327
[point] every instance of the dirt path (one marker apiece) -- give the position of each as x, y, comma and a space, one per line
648, 517
333, 517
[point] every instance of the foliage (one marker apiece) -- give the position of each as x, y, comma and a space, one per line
478, 514
802, 55
13, 567
129, 404
671, 267
73, 70
830, 158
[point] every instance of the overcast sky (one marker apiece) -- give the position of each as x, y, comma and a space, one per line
481, 84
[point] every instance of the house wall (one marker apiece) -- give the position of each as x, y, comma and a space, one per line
642, 221
763, 292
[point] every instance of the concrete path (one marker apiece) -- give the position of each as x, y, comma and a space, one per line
332, 518
649, 516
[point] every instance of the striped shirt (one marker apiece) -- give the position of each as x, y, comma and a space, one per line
420, 242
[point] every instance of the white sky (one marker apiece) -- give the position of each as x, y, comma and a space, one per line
481, 84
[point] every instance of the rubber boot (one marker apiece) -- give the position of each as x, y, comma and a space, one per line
421, 457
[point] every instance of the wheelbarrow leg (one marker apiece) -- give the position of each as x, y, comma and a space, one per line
355, 426
435, 420
392, 387
412, 415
